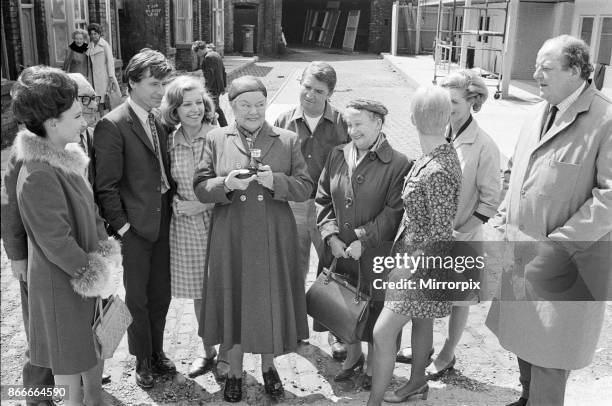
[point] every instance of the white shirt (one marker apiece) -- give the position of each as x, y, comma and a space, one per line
312, 121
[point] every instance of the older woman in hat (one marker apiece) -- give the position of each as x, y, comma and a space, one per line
359, 206
253, 300
430, 195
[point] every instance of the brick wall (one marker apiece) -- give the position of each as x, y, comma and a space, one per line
9, 125
183, 57
269, 18
380, 26
10, 25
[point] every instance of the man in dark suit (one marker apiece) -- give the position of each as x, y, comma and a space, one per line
134, 191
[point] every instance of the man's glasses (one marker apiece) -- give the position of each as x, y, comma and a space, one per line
86, 100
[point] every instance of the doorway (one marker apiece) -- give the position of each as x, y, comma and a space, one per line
244, 14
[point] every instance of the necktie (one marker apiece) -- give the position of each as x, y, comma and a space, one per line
551, 119
165, 185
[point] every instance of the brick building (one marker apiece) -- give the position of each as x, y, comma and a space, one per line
373, 32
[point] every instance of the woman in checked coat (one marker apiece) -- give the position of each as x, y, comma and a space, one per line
187, 104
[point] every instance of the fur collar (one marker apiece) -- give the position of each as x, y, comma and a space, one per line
30, 147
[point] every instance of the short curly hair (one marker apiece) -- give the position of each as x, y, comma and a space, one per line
81, 31
40, 93
173, 98
471, 83
574, 53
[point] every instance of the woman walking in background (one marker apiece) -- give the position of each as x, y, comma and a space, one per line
76, 59
102, 66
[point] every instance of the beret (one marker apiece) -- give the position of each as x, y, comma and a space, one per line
369, 105
245, 84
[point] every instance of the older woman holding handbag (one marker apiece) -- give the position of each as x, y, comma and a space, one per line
430, 195
359, 206
71, 259
253, 300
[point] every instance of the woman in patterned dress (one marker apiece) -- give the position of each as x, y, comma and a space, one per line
186, 104
431, 194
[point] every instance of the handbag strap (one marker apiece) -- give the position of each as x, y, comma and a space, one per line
331, 270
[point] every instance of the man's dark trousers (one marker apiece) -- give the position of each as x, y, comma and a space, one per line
146, 277
33, 375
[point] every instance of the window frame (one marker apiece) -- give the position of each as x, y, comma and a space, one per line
187, 20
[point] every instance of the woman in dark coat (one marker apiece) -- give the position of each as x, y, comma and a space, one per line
253, 300
359, 206
71, 259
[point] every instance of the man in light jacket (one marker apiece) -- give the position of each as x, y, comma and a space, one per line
556, 220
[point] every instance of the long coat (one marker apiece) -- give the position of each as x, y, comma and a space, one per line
560, 193
253, 292
370, 198
102, 65
68, 252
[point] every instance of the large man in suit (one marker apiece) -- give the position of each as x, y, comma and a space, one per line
134, 190
557, 222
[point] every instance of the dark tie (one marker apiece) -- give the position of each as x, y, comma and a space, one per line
551, 119
165, 185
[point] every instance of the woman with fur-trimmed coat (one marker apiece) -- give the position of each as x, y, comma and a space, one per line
70, 259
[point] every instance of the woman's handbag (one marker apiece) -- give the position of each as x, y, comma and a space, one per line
111, 323
339, 306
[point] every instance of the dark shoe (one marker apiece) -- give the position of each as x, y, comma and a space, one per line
144, 373
521, 402
106, 378
272, 383
162, 364
347, 374
232, 392
405, 355
337, 347
366, 384
431, 373
200, 366
393, 397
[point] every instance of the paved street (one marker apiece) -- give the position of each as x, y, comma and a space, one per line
485, 373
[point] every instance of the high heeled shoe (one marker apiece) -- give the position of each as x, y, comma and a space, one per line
232, 392
431, 373
272, 383
393, 397
355, 369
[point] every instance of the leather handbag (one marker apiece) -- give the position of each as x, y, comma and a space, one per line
338, 305
111, 323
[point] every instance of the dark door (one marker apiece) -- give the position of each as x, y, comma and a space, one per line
244, 14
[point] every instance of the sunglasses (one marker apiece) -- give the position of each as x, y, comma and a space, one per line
86, 100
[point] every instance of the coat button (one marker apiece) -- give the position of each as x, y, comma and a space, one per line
309, 156
159, 188
347, 225
242, 198
372, 155
349, 202
523, 192
260, 197
360, 179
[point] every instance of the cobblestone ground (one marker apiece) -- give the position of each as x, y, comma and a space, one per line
485, 374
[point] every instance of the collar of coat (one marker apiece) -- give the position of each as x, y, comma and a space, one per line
29, 147
381, 150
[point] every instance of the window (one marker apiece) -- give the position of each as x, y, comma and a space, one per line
605, 42
63, 17
483, 25
183, 21
586, 29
